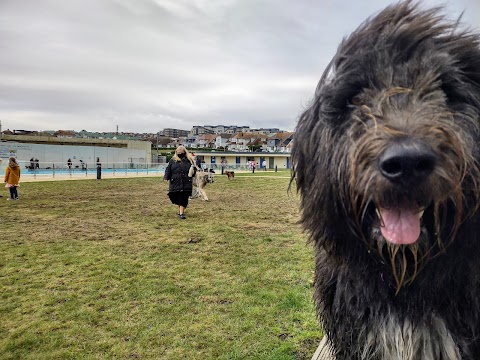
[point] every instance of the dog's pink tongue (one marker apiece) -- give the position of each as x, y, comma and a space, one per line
400, 226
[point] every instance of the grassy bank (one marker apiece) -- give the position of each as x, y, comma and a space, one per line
105, 269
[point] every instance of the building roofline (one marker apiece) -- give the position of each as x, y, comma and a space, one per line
53, 140
240, 153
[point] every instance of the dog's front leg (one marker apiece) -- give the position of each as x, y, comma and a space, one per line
204, 194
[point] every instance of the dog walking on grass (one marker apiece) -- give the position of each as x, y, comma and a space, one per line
386, 160
230, 174
200, 181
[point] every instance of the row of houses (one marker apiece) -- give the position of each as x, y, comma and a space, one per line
226, 129
266, 140
243, 141
56, 152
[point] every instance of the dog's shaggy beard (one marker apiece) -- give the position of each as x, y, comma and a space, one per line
439, 200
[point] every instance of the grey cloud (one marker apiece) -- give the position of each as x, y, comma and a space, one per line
149, 64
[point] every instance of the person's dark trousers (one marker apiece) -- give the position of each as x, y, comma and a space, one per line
13, 192
99, 172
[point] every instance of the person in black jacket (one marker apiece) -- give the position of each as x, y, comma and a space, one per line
177, 172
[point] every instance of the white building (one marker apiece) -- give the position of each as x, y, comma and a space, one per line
52, 151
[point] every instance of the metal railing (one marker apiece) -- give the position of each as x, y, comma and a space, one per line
62, 169
124, 169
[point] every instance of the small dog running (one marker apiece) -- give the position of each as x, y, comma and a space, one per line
230, 174
386, 160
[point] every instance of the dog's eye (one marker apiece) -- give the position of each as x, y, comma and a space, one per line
356, 101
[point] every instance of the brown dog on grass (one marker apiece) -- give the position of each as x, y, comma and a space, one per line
230, 174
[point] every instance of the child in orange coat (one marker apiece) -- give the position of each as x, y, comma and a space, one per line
12, 178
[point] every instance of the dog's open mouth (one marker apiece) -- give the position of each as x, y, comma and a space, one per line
403, 235
401, 225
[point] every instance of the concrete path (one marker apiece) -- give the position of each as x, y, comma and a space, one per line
31, 178
122, 175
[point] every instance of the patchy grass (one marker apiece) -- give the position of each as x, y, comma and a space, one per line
105, 270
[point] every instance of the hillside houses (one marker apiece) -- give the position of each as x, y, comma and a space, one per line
281, 142
235, 138
246, 141
206, 141
228, 138
240, 141
221, 140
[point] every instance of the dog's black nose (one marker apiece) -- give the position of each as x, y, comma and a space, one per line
407, 162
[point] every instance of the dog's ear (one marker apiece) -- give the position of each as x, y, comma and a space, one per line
460, 72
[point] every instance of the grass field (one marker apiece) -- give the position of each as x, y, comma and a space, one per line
105, 270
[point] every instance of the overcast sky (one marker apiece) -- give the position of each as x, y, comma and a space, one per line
145, 65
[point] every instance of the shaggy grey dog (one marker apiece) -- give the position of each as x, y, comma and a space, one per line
386, 163
200, 181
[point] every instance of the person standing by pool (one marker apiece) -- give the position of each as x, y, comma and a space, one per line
177, 173
99, 169
12, 178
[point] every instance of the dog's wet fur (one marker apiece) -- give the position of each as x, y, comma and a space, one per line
386, 163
